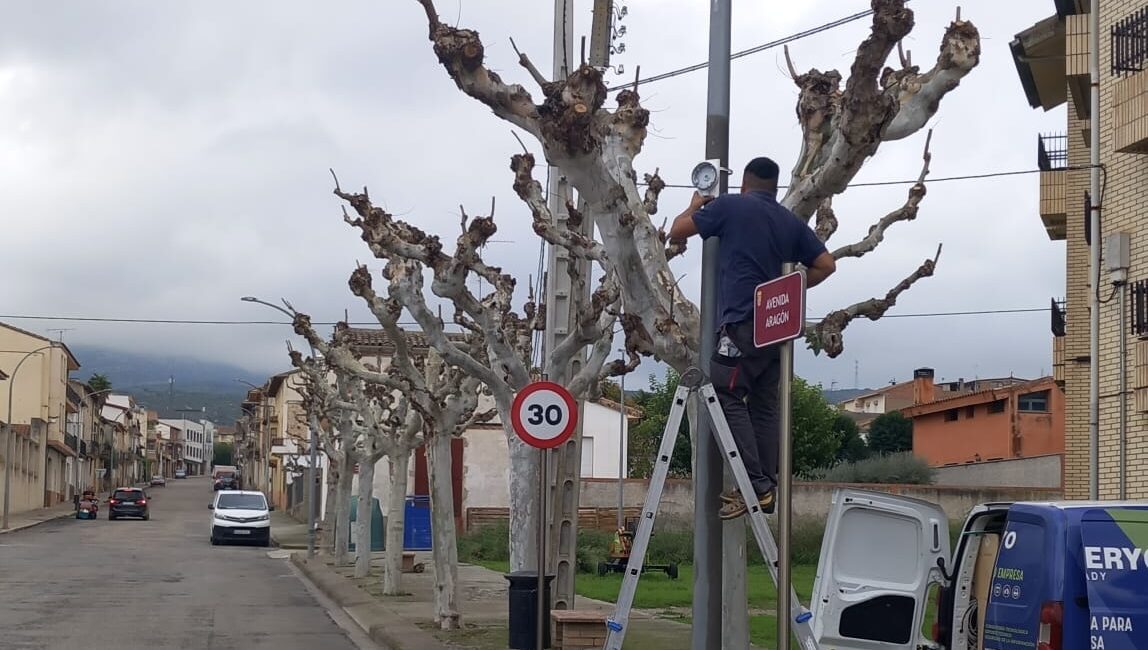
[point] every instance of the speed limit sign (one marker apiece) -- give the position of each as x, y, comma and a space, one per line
544, 414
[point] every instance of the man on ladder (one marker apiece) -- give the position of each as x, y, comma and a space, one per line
758, 235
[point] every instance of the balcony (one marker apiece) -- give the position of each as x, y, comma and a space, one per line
1058, 339
1076, 70
1052, 160
1129, 57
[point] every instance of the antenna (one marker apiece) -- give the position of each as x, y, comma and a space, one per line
60, 332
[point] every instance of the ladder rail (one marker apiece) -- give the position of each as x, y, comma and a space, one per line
617, 625
799, 615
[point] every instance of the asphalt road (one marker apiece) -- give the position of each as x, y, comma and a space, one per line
158, 584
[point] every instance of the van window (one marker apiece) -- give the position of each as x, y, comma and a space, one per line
241, 502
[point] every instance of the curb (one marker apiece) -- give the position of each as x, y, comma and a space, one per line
31, 524
382, 624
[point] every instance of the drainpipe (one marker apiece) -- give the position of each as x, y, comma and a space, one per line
1094, 255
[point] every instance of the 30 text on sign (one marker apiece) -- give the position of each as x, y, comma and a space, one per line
779, 309
544, 414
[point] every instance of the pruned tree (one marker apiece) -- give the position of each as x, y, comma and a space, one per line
498, 348
332, 415
595, 148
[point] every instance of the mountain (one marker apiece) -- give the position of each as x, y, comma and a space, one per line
171, 384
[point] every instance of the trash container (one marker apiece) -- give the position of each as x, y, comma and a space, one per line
378, 524
524, 610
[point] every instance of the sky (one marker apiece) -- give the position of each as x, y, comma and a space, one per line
161, 159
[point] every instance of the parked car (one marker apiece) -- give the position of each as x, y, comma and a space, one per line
180, 473
226, 481
128, 502
239, 515
158, 480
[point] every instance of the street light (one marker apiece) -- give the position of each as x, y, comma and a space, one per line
312, 515
11, 433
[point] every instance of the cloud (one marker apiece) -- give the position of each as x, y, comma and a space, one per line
162, 159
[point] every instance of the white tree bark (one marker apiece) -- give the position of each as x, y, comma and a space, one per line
396, 522
363, 517
343, 509
439, 469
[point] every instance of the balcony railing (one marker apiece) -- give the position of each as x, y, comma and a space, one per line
1052, 152
1058, 316
1129, 43
70, 440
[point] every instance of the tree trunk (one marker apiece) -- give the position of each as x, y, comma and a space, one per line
343, 510
523, 501
329, 514
443, 543
363, 517
396, 503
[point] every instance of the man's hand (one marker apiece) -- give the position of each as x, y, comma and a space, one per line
683, 226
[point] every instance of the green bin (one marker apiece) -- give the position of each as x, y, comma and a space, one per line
378, 524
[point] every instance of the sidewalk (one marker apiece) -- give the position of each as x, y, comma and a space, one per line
22, 520
286, 532
407, 621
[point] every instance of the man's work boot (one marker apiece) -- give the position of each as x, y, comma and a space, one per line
736, 508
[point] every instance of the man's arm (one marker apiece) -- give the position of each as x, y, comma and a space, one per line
823, 266
683, 226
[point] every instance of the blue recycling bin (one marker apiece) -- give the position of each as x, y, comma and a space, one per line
417, 524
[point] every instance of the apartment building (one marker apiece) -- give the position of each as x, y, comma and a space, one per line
37, 372
1052, 61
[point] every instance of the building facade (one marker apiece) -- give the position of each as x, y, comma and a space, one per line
1052, 61
37, 422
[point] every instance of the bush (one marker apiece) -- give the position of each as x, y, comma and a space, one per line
488, 543
593, 547
889, 468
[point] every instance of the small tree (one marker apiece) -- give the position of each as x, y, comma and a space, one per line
99, 382
646, 436
222, 453
815, 441
853, 447
891, 433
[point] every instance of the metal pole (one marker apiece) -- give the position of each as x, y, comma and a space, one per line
8, 451
784, 483
1094, 257
621, 449
542, 485
1123, 390
707, 604
312, 511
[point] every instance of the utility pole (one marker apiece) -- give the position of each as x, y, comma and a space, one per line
564, 461
708, 544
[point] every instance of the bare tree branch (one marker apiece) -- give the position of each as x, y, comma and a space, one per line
827, 334
906, 212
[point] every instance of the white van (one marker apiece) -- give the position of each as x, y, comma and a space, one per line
240, 515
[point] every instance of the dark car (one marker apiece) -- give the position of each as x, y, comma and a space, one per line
128, 502
226, 482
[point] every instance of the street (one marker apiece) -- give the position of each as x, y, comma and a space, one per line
153, 584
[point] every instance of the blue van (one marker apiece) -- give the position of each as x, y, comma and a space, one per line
1040, 576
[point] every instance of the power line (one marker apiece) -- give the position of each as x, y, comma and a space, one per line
185, 321
753, 50
913, 181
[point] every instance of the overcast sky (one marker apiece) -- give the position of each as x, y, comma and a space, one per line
160, 159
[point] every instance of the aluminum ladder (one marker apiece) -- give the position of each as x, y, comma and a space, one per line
690, 381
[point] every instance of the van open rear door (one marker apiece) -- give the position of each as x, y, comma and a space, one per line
878, 559
1115, 542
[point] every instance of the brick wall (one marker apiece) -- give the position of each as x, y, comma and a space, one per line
1124, 200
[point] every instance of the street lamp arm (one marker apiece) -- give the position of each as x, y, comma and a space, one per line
10, 434
289, 314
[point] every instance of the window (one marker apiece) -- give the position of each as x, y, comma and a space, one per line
997, 406
951, 415
970, 411
1030, 402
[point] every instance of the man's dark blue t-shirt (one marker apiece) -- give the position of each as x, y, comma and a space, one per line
758, 235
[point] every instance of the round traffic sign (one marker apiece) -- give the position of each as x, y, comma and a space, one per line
544, 414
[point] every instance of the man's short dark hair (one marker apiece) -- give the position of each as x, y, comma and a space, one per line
763, 168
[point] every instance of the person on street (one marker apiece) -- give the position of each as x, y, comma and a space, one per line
757, 236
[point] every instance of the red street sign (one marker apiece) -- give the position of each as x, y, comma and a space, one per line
544, 414
779, 309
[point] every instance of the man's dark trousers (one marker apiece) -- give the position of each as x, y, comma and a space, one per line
746, 387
